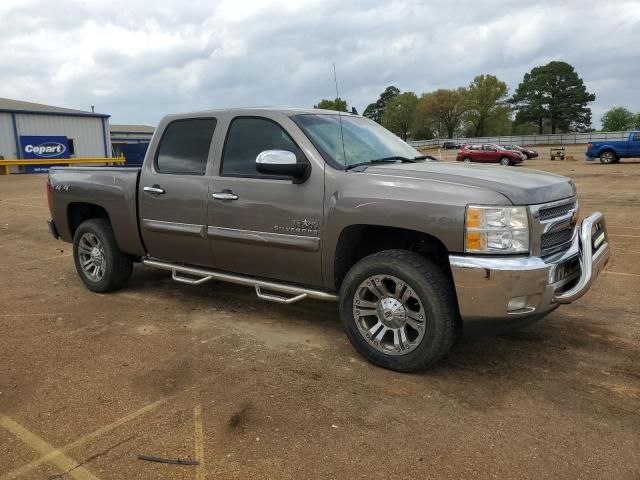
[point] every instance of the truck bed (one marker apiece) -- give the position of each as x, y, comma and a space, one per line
112, 189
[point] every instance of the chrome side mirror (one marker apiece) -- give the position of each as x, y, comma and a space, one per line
276, 157
281, 162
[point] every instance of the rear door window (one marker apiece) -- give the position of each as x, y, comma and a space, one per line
184, 147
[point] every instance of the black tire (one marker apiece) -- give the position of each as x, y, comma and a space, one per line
608, 157
434, 290
505, 161
118, 266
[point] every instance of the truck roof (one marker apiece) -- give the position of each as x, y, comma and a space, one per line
289, 111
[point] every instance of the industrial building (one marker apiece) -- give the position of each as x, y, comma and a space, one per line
131, 142
35, 131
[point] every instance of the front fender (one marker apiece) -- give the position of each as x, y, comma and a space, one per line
434, 207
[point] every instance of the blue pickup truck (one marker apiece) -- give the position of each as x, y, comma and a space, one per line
612, 151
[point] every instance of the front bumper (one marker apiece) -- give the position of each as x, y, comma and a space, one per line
485, 285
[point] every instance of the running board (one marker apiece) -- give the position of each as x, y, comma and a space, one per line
196, 276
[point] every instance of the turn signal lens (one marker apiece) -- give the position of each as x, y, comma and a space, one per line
474, 241
474, 217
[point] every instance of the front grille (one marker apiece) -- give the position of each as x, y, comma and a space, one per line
554, 240
553, 226
557, 211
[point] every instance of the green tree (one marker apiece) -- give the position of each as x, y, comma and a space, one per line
618, 118
338, 104
398, 114
441, 111
375, 110
555, 93
486, 105
636, 122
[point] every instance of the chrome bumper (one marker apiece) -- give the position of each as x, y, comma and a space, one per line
485, 285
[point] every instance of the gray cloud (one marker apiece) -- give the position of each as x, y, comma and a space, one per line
140, 60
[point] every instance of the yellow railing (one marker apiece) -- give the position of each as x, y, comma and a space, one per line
58, 161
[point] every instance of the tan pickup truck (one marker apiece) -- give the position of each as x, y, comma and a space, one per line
312, 204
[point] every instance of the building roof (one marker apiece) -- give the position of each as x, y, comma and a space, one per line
20, 106
146, 129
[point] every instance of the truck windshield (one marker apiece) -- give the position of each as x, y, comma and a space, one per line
364, 140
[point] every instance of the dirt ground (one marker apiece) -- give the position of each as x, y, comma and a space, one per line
257, 390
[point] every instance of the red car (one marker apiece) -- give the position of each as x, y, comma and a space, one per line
488, 153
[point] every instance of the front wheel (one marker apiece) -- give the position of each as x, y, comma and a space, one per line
466, 160
399, 310
505, 161
101, 265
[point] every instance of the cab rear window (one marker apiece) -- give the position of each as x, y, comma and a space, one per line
184, 147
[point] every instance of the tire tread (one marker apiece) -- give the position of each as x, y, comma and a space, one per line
446, 304
119, 264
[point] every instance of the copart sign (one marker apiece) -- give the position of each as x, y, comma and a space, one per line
41, 147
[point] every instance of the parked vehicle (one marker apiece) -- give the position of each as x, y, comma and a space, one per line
612, 151
527, 152
513, 149
450, 145
311, 204
488, 153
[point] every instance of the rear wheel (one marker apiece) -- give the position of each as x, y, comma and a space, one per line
101, 265
399, 310
607, 157
505, 161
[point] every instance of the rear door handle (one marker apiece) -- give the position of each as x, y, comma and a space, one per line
226, 195
155, 190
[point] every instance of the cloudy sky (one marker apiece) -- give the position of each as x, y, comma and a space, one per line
140, 60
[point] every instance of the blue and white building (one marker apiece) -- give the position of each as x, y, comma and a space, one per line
32, 130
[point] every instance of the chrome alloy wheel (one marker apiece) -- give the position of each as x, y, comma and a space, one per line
91, 256
389, 315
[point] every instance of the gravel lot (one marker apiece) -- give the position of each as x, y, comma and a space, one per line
258, 390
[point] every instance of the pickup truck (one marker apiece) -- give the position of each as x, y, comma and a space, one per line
611, 151
314, 204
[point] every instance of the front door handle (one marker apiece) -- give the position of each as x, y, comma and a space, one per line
226, 195
155, 190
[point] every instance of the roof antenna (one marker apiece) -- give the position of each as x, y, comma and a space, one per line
335, 80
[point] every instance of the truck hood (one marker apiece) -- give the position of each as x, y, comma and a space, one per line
521, 186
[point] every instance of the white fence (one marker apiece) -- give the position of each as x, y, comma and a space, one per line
555, 139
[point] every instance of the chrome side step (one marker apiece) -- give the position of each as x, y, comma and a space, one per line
196, 276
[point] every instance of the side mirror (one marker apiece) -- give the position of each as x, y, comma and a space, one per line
281, 162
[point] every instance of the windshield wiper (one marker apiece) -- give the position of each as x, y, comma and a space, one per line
393, 158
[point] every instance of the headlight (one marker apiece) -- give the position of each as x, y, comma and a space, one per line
496, 229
